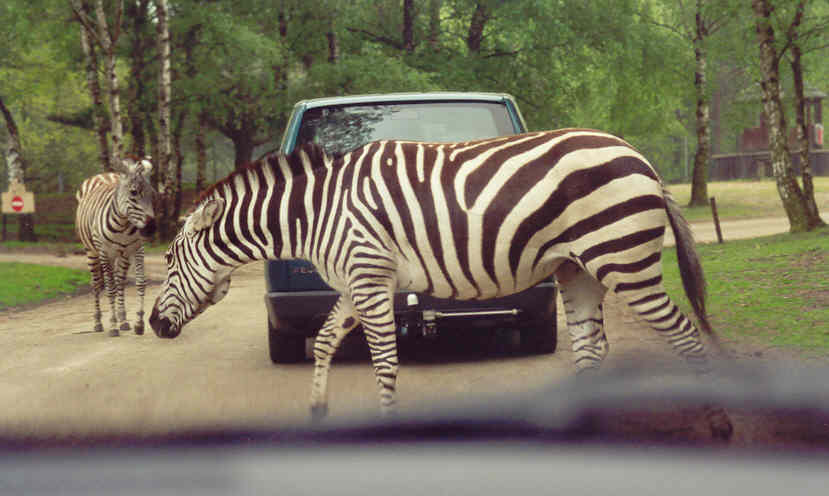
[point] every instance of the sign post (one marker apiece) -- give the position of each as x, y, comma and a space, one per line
17, 200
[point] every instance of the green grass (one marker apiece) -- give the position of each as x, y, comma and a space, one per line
22, 284
745, 199
774, 289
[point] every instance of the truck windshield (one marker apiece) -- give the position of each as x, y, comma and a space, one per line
339, 129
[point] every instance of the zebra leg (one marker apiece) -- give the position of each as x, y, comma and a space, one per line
341, 320
373, 299
122, 264
109, 283
97, 286
582, 296
140, 284
654, 306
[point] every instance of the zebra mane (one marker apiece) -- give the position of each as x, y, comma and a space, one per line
314, 151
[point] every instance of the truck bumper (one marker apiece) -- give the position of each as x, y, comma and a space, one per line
304, 312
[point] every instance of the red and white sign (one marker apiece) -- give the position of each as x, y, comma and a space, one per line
17, 200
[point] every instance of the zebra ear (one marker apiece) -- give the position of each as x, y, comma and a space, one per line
146, 166
205, 216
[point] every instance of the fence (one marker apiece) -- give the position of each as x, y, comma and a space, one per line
757, 165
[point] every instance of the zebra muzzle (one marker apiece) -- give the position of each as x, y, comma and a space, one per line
162, 326
149, 228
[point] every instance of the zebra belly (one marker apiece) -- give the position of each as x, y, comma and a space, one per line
442, 285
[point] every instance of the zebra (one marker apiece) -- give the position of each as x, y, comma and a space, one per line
468, 220
114, 218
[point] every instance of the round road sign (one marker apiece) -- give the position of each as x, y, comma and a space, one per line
17, 203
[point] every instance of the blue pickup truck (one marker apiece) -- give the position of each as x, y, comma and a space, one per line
298, 300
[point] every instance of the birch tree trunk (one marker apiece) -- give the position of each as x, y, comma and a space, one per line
699, 183
100, 120
167, 175
164, 91
813, 215
787, 187
108, 39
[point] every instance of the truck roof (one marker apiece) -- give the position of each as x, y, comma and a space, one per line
404, 97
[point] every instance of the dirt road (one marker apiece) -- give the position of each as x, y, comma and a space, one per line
57, 378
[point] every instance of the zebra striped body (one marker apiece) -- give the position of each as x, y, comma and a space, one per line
113, 219
471, 220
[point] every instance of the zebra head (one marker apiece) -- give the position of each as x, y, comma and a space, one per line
136, 195
194, 279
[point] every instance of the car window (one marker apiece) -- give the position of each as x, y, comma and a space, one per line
343, 128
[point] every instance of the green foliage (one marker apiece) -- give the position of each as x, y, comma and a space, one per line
770, 290
607, 64
38, 79
22, 284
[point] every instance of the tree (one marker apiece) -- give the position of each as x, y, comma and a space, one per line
695, 27
795, 39
17, 171
100, 116
790, 192
104, 32
169, 178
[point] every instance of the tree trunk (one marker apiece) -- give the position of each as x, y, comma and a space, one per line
813, 215
138, 12
164, 91
243, 146
408, 26
434, 25
787, 187
166, 174
177, 195
108, 38
100, 118
699, 183
201, 154
17, 172
333, 46
477, 24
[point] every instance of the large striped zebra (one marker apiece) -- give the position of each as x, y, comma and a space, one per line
470, 220
114, 218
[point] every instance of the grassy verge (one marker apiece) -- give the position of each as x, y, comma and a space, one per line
774, 289
57, 248
745, 199
22, 284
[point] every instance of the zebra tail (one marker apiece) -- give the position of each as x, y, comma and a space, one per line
690, 268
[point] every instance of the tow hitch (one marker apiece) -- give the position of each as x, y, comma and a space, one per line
414, 322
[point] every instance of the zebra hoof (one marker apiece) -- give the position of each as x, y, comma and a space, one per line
125, 326
99, 327
114, 333
139, 328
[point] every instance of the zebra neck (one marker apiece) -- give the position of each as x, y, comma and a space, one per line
118, 221
264, 216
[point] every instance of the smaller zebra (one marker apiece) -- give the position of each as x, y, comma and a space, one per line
114, 218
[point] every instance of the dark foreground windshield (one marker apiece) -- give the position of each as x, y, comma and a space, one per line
343, 128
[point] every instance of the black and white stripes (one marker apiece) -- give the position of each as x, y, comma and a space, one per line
472, 220
114, 217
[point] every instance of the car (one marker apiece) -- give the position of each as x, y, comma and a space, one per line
298, 300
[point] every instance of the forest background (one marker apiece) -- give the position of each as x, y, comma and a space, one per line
649, 70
